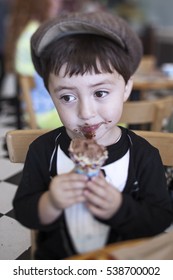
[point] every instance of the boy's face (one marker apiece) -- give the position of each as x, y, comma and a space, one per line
90, 104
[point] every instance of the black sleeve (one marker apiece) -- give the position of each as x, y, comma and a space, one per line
148, 211
35, 181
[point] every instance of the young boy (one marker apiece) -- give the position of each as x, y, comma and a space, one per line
87, 62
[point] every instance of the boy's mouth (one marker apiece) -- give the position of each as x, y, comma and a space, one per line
89, 131
90, 128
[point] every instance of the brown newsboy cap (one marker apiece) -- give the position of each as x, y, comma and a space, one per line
99, 23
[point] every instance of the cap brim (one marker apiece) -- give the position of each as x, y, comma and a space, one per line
102, 23
62, 29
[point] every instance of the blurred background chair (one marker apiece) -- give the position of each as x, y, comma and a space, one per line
147, 114
136, 114
26, 85
165, 104
148, 63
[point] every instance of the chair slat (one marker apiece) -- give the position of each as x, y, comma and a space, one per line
18, 142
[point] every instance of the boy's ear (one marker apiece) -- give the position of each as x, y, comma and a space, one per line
128, 89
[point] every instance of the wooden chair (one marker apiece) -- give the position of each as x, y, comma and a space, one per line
142, 113
18, 142
162, 141
152, 112
148, 63
26, 84
165, 106
139, 113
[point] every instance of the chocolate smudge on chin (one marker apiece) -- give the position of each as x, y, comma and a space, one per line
89, 135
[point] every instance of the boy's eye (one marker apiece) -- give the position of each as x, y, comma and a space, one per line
68, 98
101, 93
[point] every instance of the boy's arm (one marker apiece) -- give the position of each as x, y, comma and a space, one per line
148, 211
64, 191
48, 213
34, 183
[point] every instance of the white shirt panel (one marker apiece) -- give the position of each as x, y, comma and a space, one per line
86, 232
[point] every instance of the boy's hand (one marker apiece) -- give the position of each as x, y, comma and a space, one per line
102, 199
67, 189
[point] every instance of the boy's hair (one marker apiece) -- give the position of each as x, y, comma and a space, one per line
83, 53
73, 37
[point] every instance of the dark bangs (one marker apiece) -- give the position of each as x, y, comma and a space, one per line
84, 53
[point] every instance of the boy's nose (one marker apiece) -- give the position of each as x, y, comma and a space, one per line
86, 110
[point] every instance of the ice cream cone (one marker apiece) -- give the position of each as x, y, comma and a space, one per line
87, 155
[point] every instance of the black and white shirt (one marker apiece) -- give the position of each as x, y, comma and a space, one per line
133, 166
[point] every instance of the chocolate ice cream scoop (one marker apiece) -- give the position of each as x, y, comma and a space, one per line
87, 155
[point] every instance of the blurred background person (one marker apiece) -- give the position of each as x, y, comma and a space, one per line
25, 18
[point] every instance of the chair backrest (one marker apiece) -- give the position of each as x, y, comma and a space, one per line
162, 141
18, 142
142, 112
26, 84
165, 106
148, 63
152, 112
